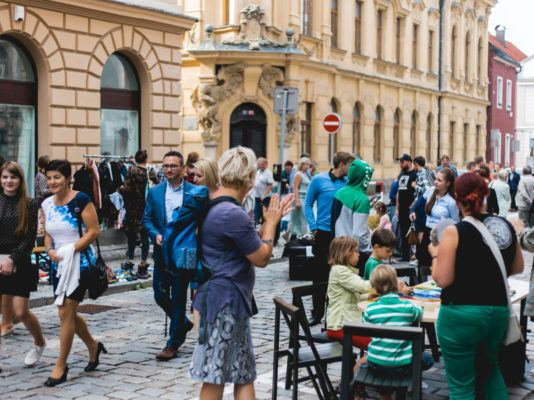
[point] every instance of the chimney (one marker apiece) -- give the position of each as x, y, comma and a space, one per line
500, 30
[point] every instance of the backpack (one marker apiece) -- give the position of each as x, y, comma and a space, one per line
180, 244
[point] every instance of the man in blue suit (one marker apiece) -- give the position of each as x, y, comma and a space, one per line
170, 292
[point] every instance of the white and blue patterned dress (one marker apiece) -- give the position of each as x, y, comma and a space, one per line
62, 225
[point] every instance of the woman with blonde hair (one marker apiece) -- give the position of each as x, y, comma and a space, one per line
206, 173
223, 305
299, 224
18, 228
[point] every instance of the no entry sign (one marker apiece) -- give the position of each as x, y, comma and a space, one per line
332, 123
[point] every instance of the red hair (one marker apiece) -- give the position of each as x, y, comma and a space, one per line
471, 190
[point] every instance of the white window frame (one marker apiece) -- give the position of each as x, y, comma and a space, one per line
499, 92
508, 95
507, 145
498, 143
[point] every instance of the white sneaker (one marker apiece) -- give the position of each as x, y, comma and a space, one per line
413, 262
33, 356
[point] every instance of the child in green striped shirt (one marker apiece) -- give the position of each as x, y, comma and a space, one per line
390, 356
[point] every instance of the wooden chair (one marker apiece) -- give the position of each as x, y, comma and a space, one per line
366, 376
309, 355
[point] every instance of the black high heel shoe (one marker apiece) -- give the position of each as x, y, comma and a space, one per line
50, 382
91, 366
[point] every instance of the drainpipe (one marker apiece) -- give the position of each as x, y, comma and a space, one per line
440, 66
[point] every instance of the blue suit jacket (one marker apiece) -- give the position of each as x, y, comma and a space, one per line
155, 216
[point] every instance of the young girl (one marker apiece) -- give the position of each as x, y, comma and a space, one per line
345, 289
381, 210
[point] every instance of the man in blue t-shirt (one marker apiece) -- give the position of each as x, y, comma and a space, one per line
446, 163
322, 189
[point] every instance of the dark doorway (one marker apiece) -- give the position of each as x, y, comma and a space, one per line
248, 127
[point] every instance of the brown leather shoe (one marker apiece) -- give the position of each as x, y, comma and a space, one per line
168, 353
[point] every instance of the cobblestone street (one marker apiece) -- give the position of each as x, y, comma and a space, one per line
133, 334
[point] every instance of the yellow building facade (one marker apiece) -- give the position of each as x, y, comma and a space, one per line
86, 77
377, 63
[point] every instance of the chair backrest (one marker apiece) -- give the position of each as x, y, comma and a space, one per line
415, 334
305, 291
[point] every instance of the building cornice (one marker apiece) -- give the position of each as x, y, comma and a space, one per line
116, 13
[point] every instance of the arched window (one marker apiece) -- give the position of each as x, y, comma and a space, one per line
396, 134
356, 129
429, 137
466, 58
378, 135
332, 144
18, 103
453, 52
413, 135
119, 99
479, 61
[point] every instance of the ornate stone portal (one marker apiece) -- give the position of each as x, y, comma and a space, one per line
207, 97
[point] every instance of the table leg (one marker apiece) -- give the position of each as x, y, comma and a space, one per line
430, 330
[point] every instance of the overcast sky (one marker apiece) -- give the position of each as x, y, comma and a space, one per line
518, 17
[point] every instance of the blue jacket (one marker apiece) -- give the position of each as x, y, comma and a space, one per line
513, 180
322, 189
155, 218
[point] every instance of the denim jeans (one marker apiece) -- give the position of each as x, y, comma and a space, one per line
170, 294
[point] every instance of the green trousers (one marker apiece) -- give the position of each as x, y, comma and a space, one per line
462, 330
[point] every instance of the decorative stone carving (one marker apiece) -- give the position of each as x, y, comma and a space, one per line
270, 77
291, 129
252, 30
206, 99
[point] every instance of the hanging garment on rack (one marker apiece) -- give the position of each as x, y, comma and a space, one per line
116, 173
106, 182
133, 193
96, 185
83, 181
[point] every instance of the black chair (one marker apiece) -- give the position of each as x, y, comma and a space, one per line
366, 376
309, 355
299, 292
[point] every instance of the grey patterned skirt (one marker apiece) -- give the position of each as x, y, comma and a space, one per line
227, 356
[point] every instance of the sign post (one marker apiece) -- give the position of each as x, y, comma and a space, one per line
286, 101
332, 124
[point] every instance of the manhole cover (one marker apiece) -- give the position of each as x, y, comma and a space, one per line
94, 308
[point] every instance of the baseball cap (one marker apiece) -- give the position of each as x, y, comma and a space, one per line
404, 157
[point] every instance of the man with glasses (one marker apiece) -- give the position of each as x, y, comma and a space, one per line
170, 292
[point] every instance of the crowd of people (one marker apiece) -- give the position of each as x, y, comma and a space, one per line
244, 211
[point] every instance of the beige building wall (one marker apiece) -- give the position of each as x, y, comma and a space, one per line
69, 42
349, 76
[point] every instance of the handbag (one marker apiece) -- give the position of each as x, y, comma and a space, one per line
97, 276
411, 235
513, 331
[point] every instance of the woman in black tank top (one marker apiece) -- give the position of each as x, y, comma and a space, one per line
474, 311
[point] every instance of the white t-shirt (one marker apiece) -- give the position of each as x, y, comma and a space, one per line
263, 179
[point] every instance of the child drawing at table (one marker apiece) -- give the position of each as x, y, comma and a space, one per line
390, 356
384, 242
345, 289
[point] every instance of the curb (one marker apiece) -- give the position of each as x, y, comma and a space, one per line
115, 288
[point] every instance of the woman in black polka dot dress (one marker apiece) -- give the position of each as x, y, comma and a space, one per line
18, 227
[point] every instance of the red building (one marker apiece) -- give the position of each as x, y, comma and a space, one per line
503, 65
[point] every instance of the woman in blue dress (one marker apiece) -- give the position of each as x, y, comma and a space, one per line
61, 236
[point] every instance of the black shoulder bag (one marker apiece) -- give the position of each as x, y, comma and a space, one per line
97, 277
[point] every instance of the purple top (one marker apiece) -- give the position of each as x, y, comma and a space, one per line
228, 226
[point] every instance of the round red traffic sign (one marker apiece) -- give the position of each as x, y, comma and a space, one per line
332, 123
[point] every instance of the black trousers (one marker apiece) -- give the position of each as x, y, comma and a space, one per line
512, 195
321, 271
404, 222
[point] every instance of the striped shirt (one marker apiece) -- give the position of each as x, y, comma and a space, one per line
390, 310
